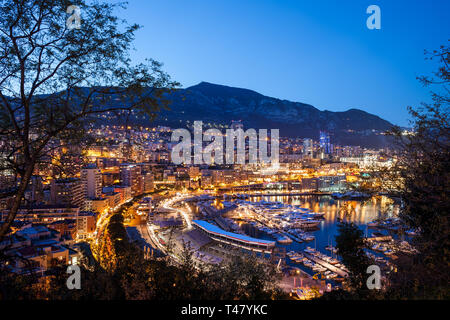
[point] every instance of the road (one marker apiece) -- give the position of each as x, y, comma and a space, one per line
148, 231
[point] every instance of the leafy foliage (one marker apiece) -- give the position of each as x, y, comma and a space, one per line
130, 276
350, 243
55, 80
424, 187
421, 179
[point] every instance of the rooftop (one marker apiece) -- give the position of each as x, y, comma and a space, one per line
215, 229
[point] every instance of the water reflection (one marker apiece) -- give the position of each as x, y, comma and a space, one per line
359, 212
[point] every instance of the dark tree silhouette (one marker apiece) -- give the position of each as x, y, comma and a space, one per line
420, 177
423, 183
55, 79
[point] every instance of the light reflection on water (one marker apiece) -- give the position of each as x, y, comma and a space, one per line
359, 212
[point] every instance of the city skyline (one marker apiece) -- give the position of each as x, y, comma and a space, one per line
117, 184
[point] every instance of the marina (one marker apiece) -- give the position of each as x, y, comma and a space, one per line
306, 226
297, 233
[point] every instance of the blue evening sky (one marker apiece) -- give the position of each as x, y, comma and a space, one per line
318, 52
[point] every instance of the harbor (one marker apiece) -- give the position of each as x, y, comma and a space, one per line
307, 225
295, 233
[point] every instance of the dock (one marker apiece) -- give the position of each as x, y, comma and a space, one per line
326, 265
295, 238
380, 238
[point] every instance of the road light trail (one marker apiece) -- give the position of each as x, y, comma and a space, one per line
168, 204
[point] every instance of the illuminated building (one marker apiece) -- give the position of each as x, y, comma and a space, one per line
149, 182
97, 204
332, 183
308, 149
35, 190
130, 175
40, 249
86, 223
124, 191
67, 191
91, 179
45, 213
324, 141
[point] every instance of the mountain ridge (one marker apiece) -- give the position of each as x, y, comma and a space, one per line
221, 104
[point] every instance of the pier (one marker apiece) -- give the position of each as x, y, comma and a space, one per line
296, 239
282, 194
326, 265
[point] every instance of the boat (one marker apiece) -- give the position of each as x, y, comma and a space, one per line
308, 224
282, 239
308, 263
314, 214
317, 267
307, 237
331, 248
309, 250
333, 261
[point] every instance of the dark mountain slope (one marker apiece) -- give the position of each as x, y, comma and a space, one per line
222, 104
